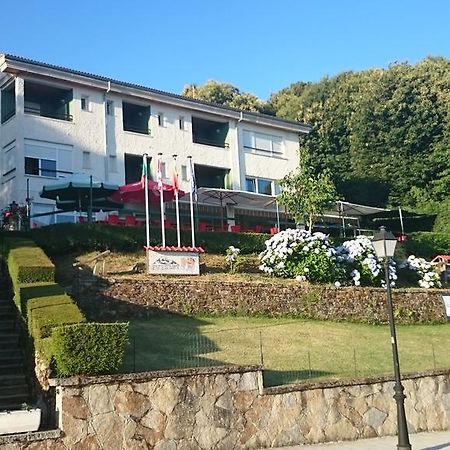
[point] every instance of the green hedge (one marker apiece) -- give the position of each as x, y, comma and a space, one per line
428, 245
42, 319
89, 348
28, 263
25, 292
65, 238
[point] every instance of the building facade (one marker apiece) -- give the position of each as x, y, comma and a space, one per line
56, 121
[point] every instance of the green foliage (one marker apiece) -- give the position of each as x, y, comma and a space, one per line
224, 94
89, 348
428, 245
66, 238
384, 134
232, 259
28, 263
305, 194
442, 222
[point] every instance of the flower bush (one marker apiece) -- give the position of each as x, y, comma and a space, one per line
362, 264
425, 272
301, 255
232, 259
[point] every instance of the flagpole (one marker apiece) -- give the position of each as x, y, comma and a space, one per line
161, 201
191, 188
177, 207
147, 218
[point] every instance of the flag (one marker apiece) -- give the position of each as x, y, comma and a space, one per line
144, 175
175, 179
193, 180
159, 174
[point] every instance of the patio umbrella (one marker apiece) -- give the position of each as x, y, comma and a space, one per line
135, 193
78, 191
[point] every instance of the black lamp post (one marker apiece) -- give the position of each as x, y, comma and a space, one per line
384, 244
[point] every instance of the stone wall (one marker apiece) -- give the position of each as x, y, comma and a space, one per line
227, 408
140, 298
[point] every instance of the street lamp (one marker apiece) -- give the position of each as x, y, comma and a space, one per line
384, 244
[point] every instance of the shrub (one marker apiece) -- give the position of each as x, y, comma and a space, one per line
28, 263
425, 272
232, 259
89, 348
23, 293
42, 319
428, 245
299, 254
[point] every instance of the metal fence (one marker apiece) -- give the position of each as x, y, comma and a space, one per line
286, 358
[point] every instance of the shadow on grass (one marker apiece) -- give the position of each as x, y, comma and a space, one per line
281, 377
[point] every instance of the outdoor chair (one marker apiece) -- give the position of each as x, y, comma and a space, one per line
113, 219
235, 228
130, 221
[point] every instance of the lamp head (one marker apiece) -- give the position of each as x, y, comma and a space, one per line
384, 243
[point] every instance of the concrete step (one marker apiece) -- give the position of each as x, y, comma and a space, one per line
11, 368
10, 380
18, 390
7, 325
10, 357
10, 339
13, 401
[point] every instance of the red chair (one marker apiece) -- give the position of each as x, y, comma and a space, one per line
113, 219
130, 221
258, 229
235, 228
202, 226
274, 230
82, 219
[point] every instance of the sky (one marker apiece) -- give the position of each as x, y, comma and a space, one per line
259, 46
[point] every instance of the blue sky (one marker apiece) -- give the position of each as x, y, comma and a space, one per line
260, 46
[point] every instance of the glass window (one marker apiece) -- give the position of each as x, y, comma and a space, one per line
85, 103
264, 186
160, 119
181, 122
276, 188
250, 185
31, 166
48, 168
184, 174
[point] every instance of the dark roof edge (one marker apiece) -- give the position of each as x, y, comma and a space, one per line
299, 126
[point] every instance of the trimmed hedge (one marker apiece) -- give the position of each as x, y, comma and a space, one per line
46, 308
89, 348
65, 238
428, 245
28, 263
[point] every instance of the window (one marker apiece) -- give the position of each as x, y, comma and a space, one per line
113, 163
160, 119
250, 185
184, 173
40, 167
86, 162
262, 186
262, 143
181, 122
109, 107
85, 103
9, 159
8, 104
136, 118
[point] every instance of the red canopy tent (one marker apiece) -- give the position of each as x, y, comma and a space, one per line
135, 193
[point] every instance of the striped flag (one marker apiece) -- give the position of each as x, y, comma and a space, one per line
144, 175
159, 174
175, 179
193, 181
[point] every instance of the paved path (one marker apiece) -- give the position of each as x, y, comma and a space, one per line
420, 441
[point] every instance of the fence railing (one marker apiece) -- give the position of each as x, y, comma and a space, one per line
285, 358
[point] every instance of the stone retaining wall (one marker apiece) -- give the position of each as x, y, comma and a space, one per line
227, 408
139, 298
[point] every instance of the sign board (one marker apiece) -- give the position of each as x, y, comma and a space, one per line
446, 300
173, 263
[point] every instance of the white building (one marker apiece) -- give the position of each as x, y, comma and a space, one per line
56, 121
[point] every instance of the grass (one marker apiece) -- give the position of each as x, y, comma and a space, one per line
292, 350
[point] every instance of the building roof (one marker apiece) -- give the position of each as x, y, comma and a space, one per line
15, 64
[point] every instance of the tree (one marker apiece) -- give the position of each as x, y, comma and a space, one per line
306, 194
224, 94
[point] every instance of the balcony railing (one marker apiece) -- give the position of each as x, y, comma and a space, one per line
8, 115
134, 129
50, 114
203, 141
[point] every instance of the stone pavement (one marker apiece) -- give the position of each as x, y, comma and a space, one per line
420, 441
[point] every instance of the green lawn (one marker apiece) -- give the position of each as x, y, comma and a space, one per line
292, 349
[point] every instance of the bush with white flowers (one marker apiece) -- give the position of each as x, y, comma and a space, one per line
301, 255
232, 259
362, 263
425, 272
